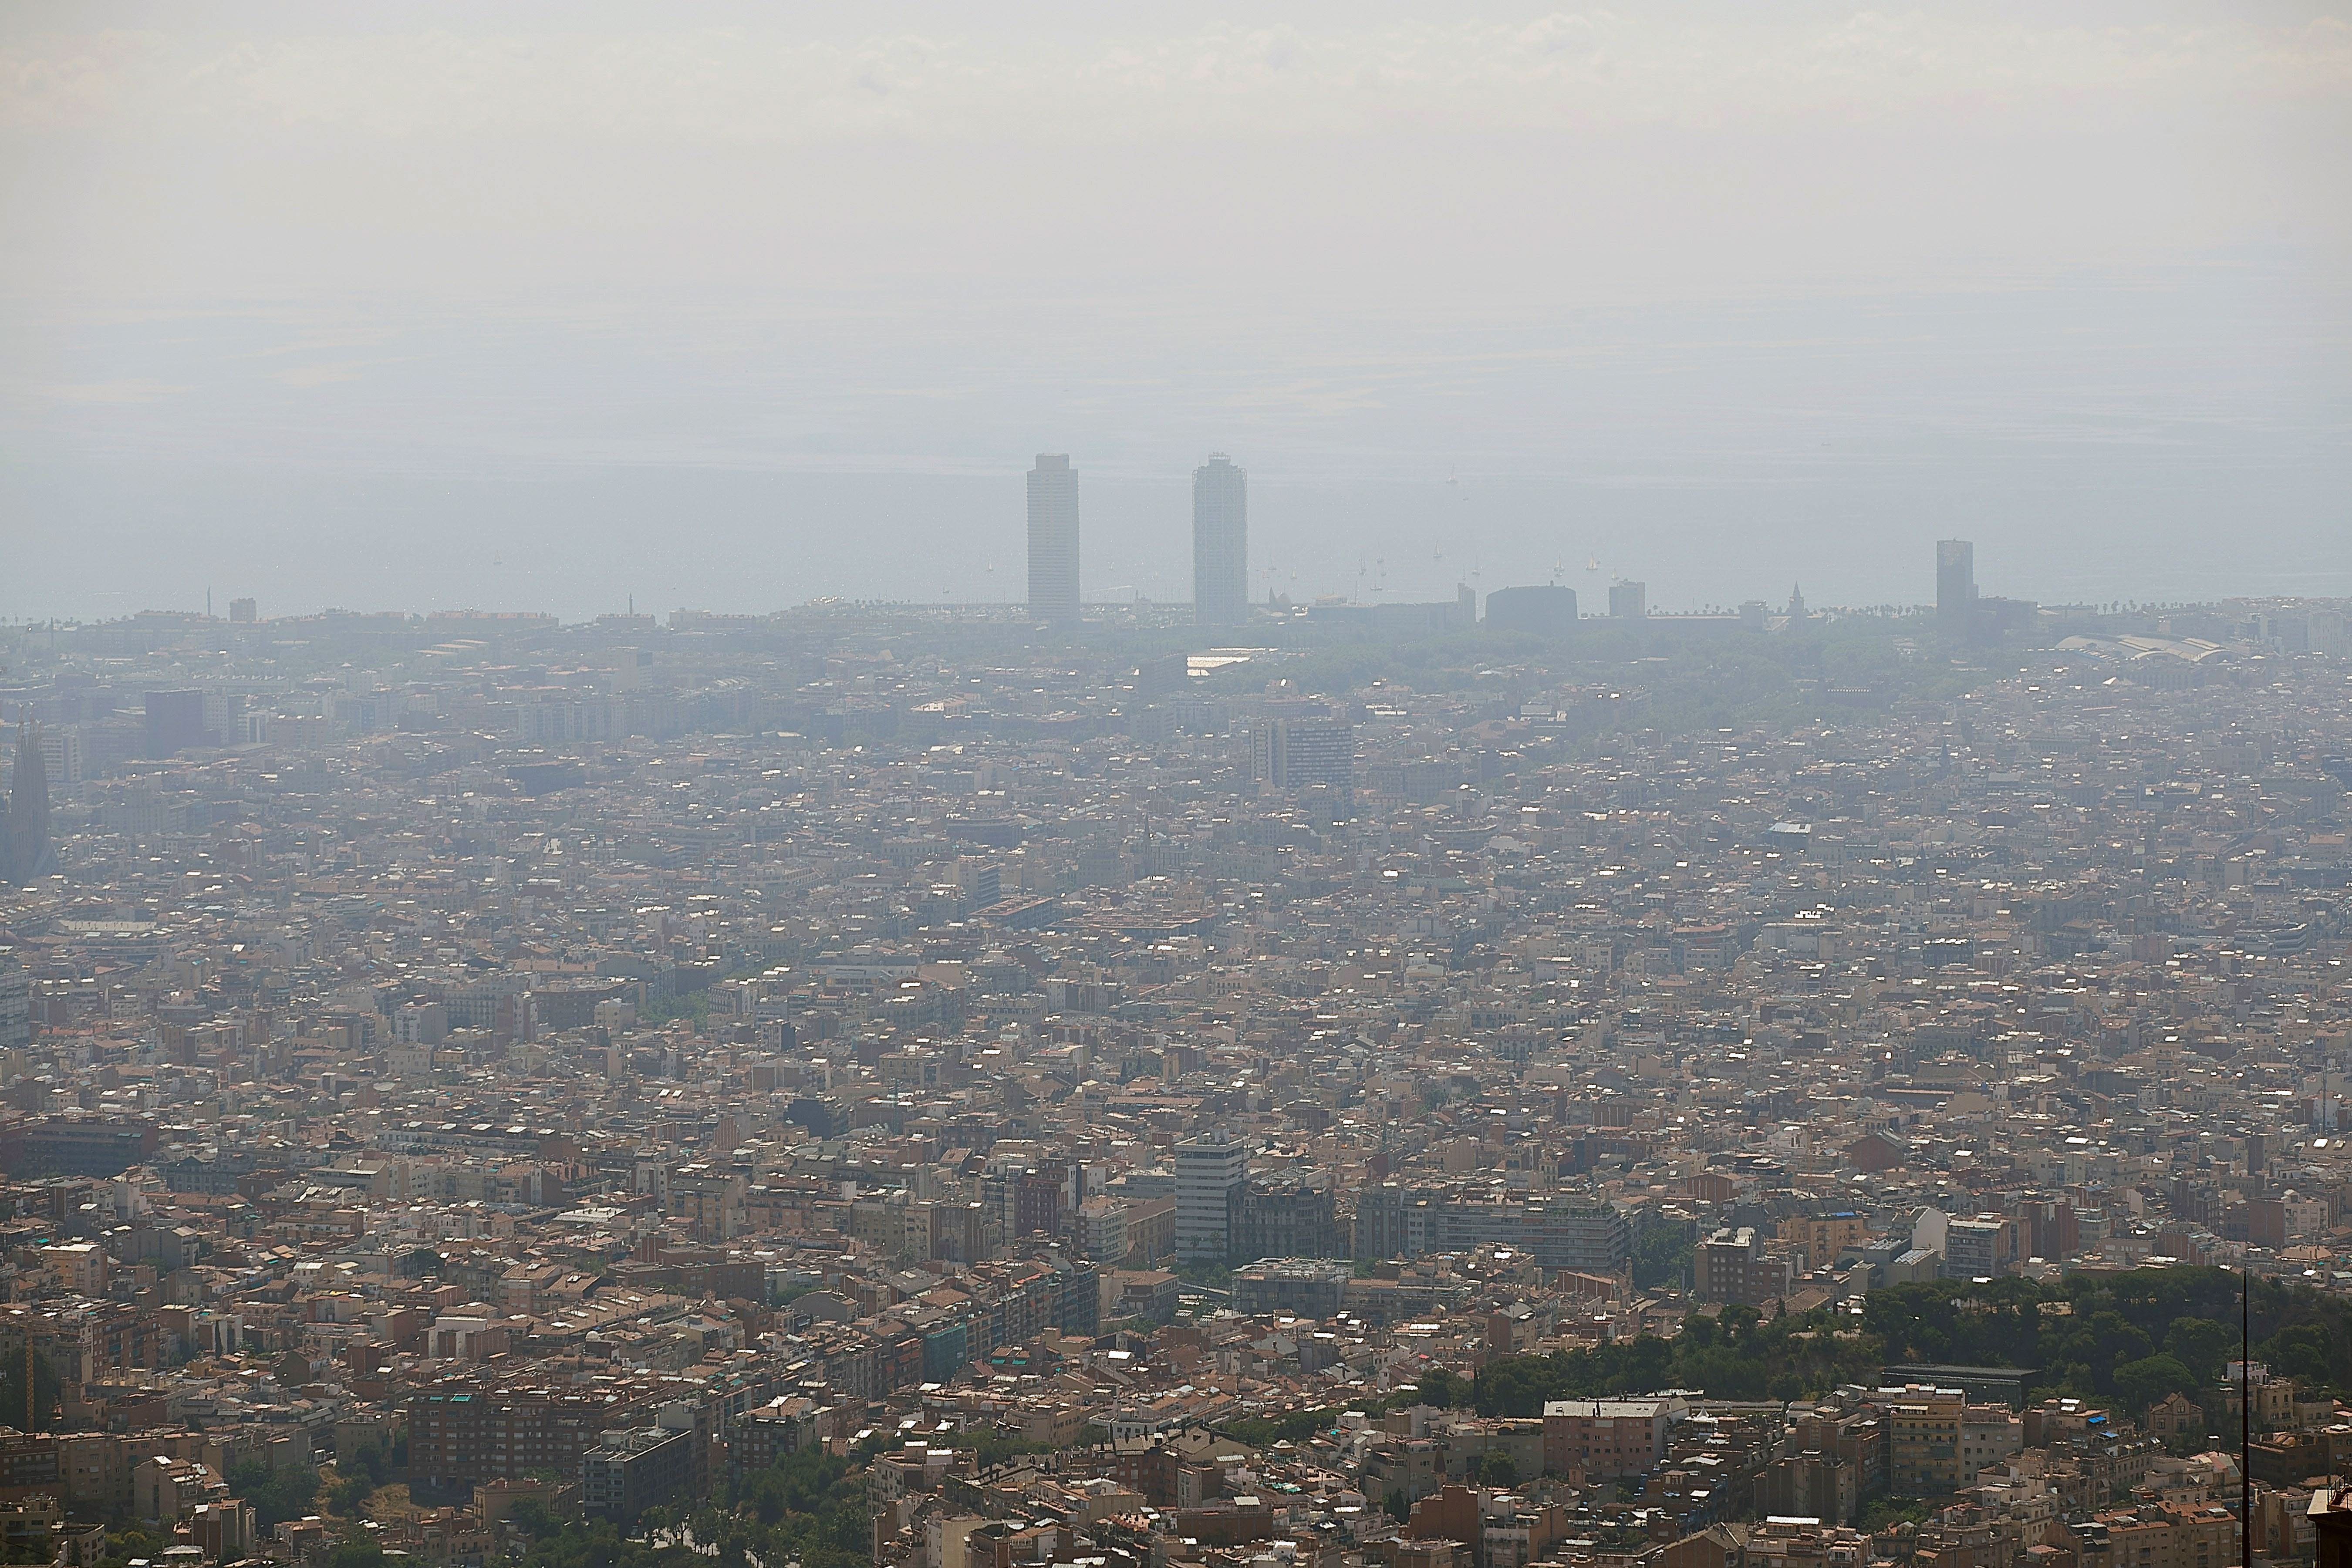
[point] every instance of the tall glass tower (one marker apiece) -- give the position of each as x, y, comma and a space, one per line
1956, 587
1053, 538
1219, 541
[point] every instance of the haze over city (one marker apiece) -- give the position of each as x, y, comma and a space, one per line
1100, 786
739, 310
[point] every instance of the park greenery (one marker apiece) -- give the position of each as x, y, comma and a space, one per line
2135, 1335
808, 1506
2129, 1338
1882, 1513
1738, 1354
367, 1470
992, 1446
276, 1494
1209, 1275
1294, 1425
1663, 1254
1290, 1427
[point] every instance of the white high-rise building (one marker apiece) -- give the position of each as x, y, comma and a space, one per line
61, 756
1219, 541
1210, 1173
1053, 538
16, 1005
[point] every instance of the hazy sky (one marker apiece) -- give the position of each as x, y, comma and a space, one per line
539, 306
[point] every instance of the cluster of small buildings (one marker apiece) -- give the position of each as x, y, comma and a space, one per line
581, 1064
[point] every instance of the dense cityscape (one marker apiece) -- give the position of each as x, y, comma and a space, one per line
1460, 1084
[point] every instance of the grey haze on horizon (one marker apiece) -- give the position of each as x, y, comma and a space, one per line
555, 308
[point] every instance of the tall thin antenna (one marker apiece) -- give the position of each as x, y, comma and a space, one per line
2245, 1414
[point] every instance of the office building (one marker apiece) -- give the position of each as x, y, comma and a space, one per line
242, 612
16, 1005
61, 755
632, 1470
1956, 587
1544, 610
980, 880
1287, 1217
1102, 1229
1825, 1238
1162, 676
1605, 1438
92, 1146
25, 849
1629, 601
1400, 1220
1053, 538
1809, 1484
176, 723
481, 1432
1294, 752
1219, 541
1732, 1266
1977, 1248
1209, 1175
1305, 1286
1923, 1440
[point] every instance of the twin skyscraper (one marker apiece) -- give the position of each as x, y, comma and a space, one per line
1219, 539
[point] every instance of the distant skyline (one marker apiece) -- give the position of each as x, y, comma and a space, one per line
1368, 541
735, 312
